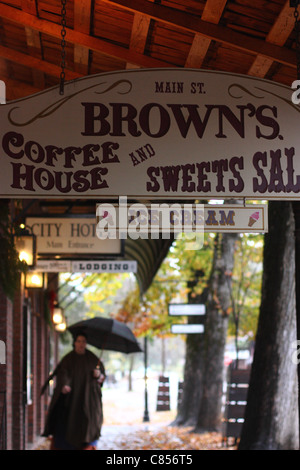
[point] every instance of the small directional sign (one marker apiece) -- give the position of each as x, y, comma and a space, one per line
187, 329
186, 309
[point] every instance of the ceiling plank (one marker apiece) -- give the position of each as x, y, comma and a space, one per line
16, 89
213, 10
34, 63
278, 34
82, 39
219, 33
139, 33
33, 43
82, 23
212, 13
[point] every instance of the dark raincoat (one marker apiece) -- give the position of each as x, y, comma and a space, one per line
75, 419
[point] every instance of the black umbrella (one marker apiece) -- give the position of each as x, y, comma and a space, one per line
108, 334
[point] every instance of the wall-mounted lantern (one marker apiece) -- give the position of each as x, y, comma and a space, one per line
25, 243
34, 280
58, 319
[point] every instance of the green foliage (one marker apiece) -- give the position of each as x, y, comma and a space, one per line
10, 266
246, 284
118, 295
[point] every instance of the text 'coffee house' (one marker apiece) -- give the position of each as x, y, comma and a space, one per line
194, 134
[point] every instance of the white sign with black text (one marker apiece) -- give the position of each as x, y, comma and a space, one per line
186, 309
195, 134
70, 235
187, 329
105, 266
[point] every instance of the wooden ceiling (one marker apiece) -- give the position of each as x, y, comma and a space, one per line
253, 37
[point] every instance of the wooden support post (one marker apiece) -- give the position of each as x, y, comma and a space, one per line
296, 210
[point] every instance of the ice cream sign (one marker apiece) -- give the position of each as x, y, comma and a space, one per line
153, 134
235, 218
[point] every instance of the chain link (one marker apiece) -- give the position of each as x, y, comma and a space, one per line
63, 46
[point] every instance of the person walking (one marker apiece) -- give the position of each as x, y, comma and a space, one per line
75, 414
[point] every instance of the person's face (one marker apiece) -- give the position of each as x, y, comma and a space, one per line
80, 344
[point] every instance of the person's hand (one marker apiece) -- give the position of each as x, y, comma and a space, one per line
66, 389
101, 378
96, 373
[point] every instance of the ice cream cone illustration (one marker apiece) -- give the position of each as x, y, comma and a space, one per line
253, 218
106, 215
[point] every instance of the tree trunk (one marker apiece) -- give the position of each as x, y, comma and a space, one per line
219, 301
203, 375
193, 368
193, 371
271, 418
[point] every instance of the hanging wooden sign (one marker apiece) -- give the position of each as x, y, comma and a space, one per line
177, 218
157, 133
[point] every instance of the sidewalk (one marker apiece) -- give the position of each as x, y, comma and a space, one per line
124, 414
124, 428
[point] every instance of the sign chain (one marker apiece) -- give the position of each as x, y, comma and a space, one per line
295, 4
63, 45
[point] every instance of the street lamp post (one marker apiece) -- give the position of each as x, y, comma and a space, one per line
146, 413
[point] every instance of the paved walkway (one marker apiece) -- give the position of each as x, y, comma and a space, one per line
124, 412
124, 429
118, 436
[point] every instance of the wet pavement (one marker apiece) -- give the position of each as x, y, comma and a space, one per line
124, 413
122, 437
124, 427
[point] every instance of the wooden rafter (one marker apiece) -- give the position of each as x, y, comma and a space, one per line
212, 13
278, 35
204, 28
159, 13
82, 23
76, 37
104, 35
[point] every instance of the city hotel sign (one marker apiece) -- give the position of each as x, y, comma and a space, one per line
158, 133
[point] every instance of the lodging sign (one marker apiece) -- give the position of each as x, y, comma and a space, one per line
102, 266
153, 133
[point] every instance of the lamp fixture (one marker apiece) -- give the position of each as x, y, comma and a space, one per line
25, 243
34, 280
58, 315
58, 318
61, 327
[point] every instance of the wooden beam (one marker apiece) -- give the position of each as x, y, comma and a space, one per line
34, 63
82, 23
219, 33
278, 35
33, 43
139, 33
75, 37
212, 13
16, 89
